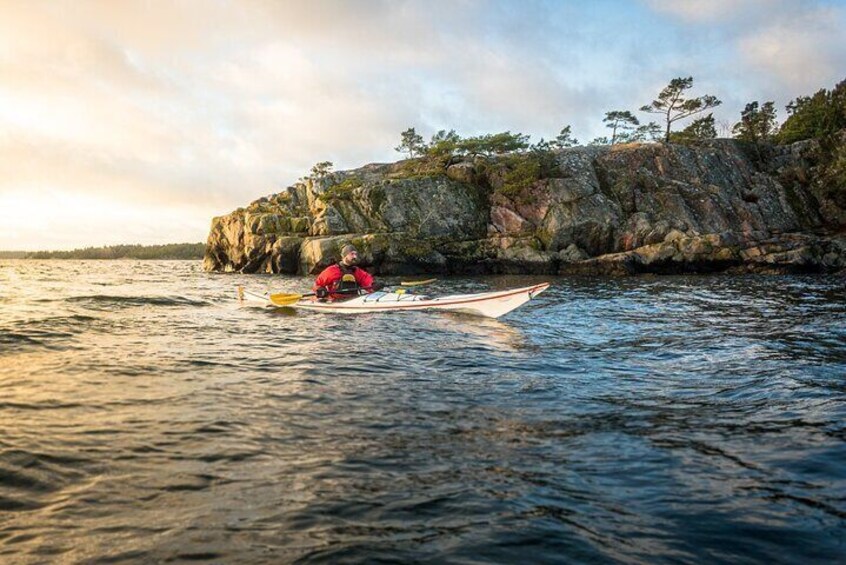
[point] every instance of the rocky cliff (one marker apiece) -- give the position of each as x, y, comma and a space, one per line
720, 205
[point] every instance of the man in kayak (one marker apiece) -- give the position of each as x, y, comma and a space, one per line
344, 278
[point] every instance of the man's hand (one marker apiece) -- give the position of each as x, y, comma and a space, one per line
321, 292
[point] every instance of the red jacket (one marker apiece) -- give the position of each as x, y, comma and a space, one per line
331, 276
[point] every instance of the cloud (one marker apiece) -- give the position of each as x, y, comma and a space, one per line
203, 106
786, 47
804, 52
710, 11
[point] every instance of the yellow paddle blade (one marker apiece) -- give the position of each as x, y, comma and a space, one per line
282, 299
417, 283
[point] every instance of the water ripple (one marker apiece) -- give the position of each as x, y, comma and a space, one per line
147, 418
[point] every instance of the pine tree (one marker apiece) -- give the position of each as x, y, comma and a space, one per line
672, 104
622, 121
756, 125
411, 143
698, 130
444, 144
814, 117
493, 144
564, 139
321, 169
647, 132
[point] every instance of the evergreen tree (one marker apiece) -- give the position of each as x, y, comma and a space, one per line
411, 142
673, 105
599, 141
647, 132
321, 169
493, 144
444, 135
564, 139
444, 144
814, 117
541, 146
756, 124
698, 130
166, 251
620, 121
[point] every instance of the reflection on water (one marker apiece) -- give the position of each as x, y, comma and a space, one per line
482, 332
144, 416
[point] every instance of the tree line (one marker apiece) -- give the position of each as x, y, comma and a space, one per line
817, 116
166, 251
820, 116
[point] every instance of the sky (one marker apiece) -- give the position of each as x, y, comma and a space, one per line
139, 121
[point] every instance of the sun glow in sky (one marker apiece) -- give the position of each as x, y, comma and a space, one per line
136, 122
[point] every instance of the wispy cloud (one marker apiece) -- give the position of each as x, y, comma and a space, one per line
785, 48
202, 106
712, 11
801, 51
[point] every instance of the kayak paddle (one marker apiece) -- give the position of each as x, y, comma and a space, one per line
417, 283
288, 299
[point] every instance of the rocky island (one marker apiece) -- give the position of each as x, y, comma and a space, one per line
717, 205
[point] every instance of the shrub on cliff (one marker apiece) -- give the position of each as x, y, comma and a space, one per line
443, 144
698, 130
448, 144
815, 117
647, 132
837, 169
523, 170
321, 170
493, 144
756, 124
341, 191
833, 174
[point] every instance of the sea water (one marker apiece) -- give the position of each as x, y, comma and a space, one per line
145, 416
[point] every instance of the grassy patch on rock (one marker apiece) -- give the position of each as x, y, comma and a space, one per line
341, 191
520, 173
421, 168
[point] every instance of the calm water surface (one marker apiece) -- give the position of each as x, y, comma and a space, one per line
144, 416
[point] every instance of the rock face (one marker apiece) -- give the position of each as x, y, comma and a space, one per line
624, 209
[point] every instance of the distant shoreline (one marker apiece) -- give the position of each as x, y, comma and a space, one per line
169, 251
26, 257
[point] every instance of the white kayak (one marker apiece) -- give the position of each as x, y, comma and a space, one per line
488, 304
